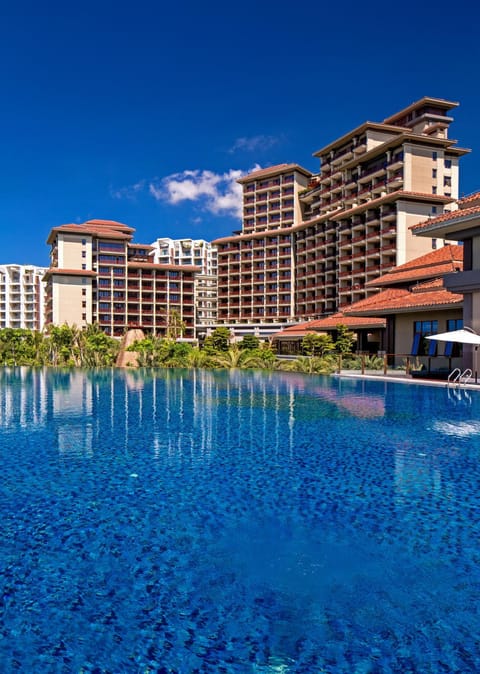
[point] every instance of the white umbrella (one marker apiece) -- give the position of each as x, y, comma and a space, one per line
463, 336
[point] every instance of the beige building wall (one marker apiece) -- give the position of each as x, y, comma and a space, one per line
300, 182
420, 173
375, 138
68, 299
409, 246
404, 334
70, 249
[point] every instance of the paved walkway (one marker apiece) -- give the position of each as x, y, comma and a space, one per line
401, 377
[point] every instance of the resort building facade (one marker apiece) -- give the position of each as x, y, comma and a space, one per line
98, 275
410, 303
22, 296
256, 267
203, 255
346, 225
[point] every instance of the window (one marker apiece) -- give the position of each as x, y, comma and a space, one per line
84, 291
448, 163
447, 181
434, 189
434, 244
453, 349
434, 156
84, 242
422, 329
434, 209
434, 173
84, 266
84, 253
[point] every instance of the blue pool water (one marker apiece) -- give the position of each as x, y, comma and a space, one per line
237, 522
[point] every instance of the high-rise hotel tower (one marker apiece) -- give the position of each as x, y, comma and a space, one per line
309, 243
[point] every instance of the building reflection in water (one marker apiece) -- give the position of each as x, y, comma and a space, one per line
180, 413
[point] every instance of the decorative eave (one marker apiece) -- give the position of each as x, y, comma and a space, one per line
402, 139
273, 171
375, 126
253, 235
162, 267
426, 100
82, 273
456, 225
98, 231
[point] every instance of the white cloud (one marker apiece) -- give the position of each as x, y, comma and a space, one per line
253, 143
217, 193
131, 192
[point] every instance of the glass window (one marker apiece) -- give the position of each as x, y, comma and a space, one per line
421, 329
448, 163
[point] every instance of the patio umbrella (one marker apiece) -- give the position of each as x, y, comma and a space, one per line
463, 336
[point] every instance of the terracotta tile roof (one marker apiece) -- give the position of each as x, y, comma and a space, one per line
399, 300
273, 170
69, 272
330, 323
111, 224
94, 230
451, 216
468, 199
444, 260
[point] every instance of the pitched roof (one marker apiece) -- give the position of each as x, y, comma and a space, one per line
54, 271
444, 260
273, 170
92, 228
427, 295
451, 216
475, 196
329, 323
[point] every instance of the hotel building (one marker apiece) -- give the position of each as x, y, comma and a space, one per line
203, 255
256, 267
22, 296
98, 275
321, 244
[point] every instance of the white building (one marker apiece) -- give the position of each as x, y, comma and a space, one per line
202, 254
22, 296
186, 251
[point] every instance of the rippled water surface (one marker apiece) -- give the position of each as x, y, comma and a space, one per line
237, 522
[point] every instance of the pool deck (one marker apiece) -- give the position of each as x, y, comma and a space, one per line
402, 378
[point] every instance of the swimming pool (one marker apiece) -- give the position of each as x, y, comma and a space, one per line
175, 521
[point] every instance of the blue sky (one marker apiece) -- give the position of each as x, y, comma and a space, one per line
145, 112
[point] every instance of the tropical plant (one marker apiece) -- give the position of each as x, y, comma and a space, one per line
250, 342
344, 341
369, 362
96, 349
219, 340
314, 344
175, 325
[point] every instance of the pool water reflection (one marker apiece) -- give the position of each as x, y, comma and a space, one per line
181, 521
